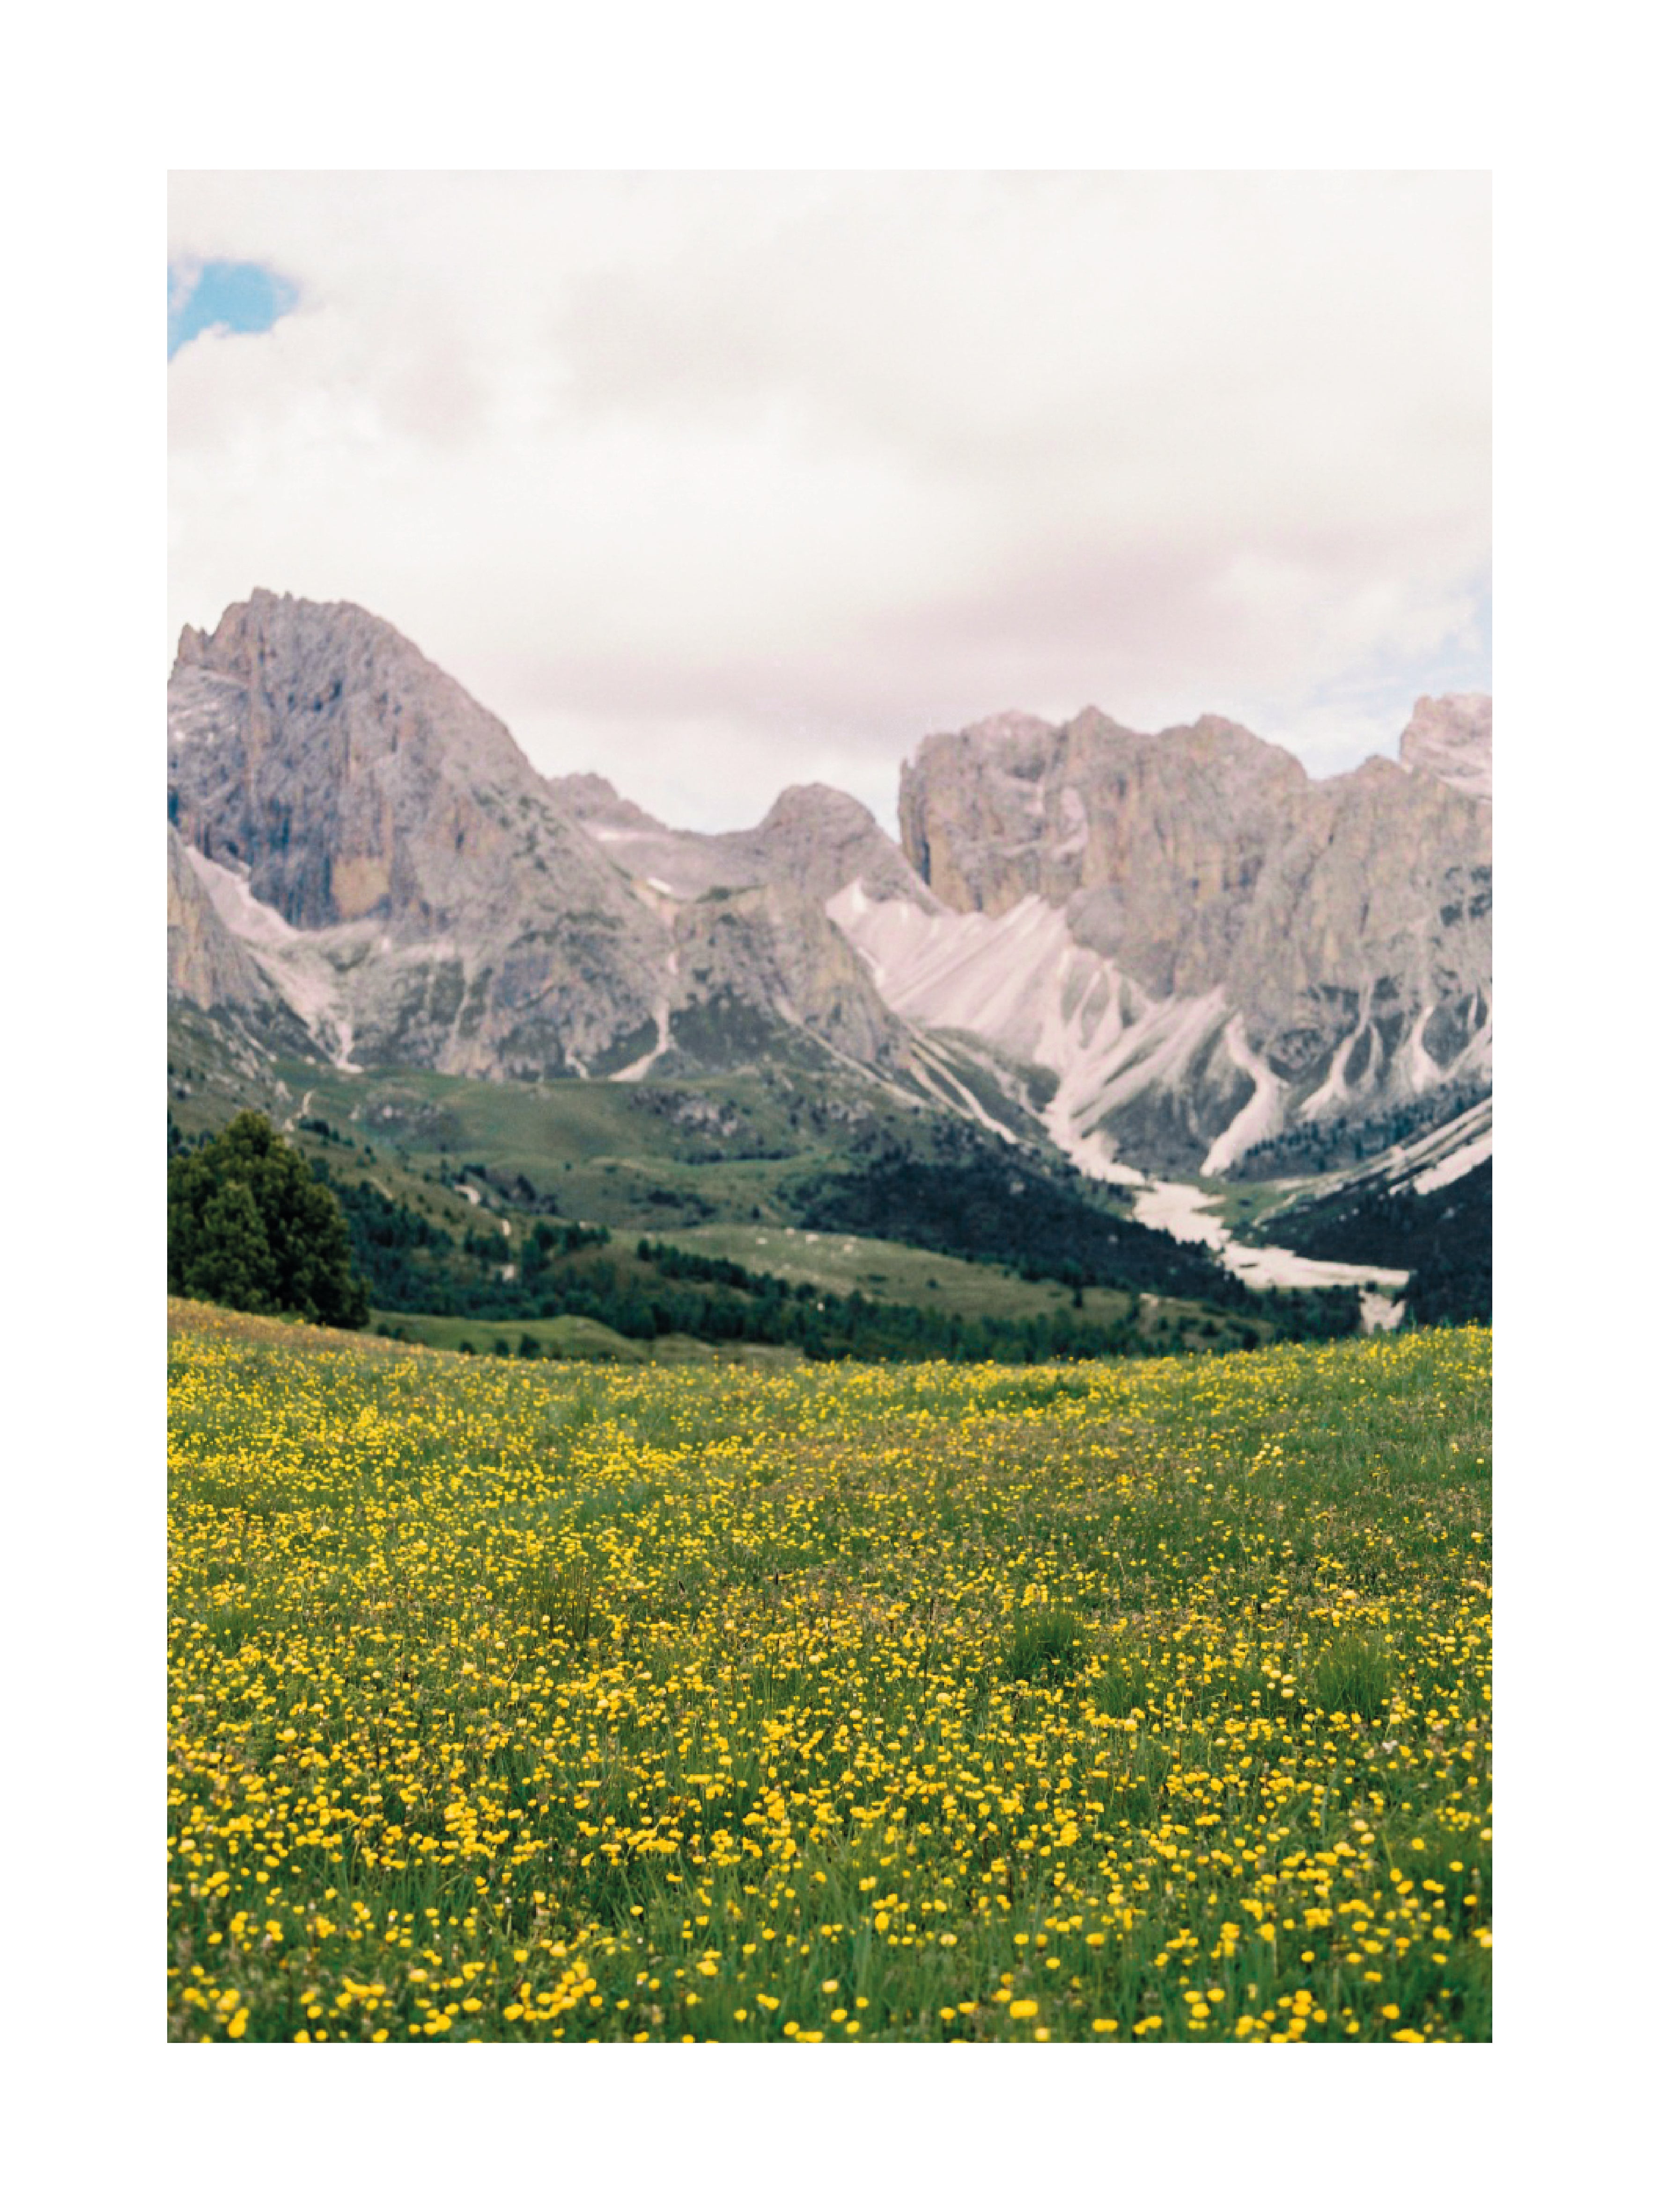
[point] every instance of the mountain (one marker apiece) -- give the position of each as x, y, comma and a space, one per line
1158, 954
814, 839
1450, 738
207, 963
1201, 945
213, 968
421, 896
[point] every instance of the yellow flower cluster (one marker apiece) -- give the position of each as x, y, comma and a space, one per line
1113, 1702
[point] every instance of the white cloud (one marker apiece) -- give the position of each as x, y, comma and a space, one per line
721, 481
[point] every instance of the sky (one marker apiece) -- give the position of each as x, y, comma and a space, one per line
717, 482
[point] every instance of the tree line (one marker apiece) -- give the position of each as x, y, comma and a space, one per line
251, 1224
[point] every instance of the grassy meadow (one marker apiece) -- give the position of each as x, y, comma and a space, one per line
1119, 1702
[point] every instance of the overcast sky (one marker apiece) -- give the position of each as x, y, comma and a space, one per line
720, 483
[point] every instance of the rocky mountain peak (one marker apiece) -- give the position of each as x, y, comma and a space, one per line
313, 745
594, 799
813, 805
1010, 733
426, 898
819, 839
455, 914
1450, 738
341, 680
1308, 944
1202, 945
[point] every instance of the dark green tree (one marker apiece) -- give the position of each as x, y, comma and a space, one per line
250, 1226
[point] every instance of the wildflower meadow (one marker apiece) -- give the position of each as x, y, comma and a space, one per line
1119, 1702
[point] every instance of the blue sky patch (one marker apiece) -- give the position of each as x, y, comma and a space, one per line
236, 296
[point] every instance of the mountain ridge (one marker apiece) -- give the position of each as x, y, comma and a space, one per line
1169, 947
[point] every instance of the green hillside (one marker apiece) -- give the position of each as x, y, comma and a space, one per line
461, 1193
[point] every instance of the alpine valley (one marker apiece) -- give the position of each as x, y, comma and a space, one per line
1131, 1042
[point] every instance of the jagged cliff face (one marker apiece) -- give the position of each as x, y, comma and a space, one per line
347, 776
770, 955
422, 896
1450, 740
1243, 945
1180, 945
365, 799
1172, 828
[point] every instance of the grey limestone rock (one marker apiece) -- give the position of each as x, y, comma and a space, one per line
206, 964
425, 898
1451, 739
1345, 921
374, 806
1222, 943
771, 949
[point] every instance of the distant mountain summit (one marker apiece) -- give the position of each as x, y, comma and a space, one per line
421, 896
1170, 948
1203, 943
1450, 740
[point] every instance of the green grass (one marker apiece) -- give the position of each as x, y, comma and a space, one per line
1243, 1206
570, 1336
1131, 1702
714, 1165
598, 1148
900, 1273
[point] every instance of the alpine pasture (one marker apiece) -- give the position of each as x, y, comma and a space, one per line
1116, 1702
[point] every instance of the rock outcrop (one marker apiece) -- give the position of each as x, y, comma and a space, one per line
368, 802
813, 839
1181, 945
1267, 945
423, 897
206, 964
1451, 739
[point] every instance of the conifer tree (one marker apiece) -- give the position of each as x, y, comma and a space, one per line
249, 1225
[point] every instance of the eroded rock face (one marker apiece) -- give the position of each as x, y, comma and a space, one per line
770, 952
1201, 944
817, 841
315, 746
1328, 943
1450, 738
423, 897
1174, 826
369, 803
813, 839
